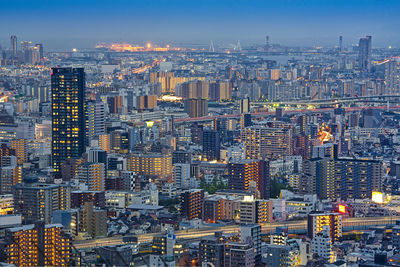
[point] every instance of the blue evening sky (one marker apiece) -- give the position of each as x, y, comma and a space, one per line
63, 24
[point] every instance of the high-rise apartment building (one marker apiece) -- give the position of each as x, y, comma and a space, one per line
344, 178
9, 176
317, 221
262, 141
37, 244
37, 201
242, 172
21, 150
220, 91
151, 164
251, 233
392, 77
68, 115
93, 175
182, 175
196, 107
191, 203
194, 89
146, 102
95, 120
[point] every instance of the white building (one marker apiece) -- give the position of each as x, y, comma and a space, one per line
321, 244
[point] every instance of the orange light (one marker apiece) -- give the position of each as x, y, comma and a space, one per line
342, 209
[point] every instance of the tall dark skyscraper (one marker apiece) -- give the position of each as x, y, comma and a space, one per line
340, 43
14, 45
364, 53
68, 114
211, 144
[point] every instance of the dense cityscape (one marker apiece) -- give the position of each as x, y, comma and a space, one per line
218, 154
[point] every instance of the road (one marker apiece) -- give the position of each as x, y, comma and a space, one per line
266, 228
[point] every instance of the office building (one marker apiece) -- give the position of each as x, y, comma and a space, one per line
196, 107
211, 144
68, 115
191, 203
364, 53
151, 164
267, 142
242, 172
95, 121
317, 221
37, 244
37, 201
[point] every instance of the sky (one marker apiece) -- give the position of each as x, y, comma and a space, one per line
67, 24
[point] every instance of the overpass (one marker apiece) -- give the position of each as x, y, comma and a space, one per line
268, 113
196, 234
332, 101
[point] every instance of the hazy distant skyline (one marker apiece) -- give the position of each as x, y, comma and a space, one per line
66, 24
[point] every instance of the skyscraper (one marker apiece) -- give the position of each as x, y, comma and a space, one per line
340, 43
364, 53
211, 144
68, 115
14, 46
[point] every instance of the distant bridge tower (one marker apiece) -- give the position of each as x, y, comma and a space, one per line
212, 49
238, 46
